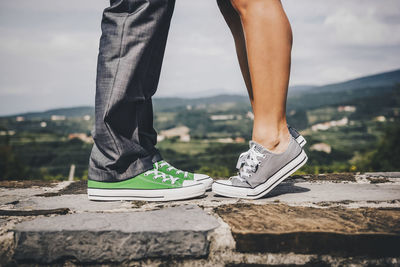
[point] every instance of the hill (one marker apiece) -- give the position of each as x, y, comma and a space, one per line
301, 97
386, 79
67, 112
339, 93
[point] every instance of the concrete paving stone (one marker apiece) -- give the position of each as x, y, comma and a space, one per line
335, 231
114, 237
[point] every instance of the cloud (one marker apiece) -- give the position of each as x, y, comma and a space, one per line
364, 29
49, 48
339, 40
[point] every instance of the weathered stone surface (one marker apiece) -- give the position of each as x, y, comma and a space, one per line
335, 231
322, 192
383, 174
25, 189
332, 177
325, 192
27, 184
115, 237
79, 203
301, 194
78, 187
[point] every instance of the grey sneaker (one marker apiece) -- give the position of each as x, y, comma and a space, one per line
261, 171
297, 136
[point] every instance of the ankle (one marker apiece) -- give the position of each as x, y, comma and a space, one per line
276, 142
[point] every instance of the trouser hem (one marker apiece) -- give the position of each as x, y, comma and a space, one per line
135, 168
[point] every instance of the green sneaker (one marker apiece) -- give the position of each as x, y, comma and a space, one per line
167, 168
151, 185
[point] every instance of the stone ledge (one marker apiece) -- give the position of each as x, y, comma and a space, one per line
115, 237
334, 231
345, 205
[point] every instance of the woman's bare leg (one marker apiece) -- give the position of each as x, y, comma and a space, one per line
234, 23
268, 42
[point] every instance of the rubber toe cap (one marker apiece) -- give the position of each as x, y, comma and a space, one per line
198, 176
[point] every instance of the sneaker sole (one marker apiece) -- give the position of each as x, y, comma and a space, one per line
207, 182
264, 188
301, 140
169, 194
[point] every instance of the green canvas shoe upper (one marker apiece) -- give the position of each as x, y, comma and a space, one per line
152, 179
167, 168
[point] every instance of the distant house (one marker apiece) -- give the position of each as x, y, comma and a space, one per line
86, 117
239, 140
3, 133
380, 118
57, 118
20, 118
321, 147
326, 125
182, 132
81, 136
228, 140
346, 108
224, 117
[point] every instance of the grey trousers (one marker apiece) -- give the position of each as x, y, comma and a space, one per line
132, 44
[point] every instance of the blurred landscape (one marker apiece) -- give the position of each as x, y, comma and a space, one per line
351, 126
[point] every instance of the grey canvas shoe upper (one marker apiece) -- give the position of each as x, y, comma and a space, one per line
260, 171
258, 164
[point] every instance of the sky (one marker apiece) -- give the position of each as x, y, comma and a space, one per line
48, 48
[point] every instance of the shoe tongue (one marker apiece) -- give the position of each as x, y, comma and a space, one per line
257, 147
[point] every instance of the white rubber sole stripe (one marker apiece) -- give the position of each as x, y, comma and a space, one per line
264, 188
207, 182
180, 193
301, 140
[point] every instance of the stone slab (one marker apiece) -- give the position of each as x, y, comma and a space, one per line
33, 212
115, 237
334, 231
383, 174
14, 191
323, 192
76, 203
297, 194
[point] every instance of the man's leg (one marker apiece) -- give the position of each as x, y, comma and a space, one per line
123, 163
134, 34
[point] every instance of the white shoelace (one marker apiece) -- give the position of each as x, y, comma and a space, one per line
170, 167
247, 163
158, 174
242, 159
